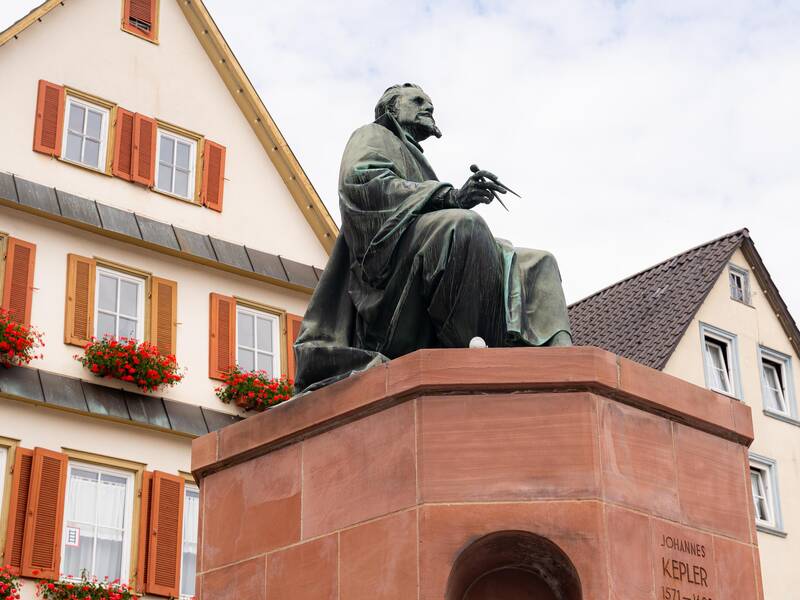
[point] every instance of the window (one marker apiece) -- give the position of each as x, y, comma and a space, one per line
721, 362
120, 304
257, 341
140, 17
740, 284
85, 133
764, 487
777, 383
191, 515
97, 522
176, 164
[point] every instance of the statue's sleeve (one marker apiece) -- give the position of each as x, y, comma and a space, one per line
381, 192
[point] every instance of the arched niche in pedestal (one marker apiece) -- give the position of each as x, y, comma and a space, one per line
513, 565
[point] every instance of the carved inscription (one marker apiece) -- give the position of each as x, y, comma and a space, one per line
683, 568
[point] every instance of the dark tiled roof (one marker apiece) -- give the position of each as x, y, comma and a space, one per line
644, 316
80, 211
101, 401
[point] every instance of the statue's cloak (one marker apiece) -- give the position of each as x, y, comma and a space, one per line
385, 185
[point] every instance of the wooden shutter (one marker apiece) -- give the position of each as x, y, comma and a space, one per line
122, 165
42, 540
49, 122
213, 175
222, 336
163, 314
166, 523
18, 509
144, 532
140, 17
79, 322
144, 150
293, 323
18, 280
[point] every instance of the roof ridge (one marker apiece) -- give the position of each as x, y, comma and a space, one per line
744, 232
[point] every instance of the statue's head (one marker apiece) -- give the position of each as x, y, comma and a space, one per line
412, 108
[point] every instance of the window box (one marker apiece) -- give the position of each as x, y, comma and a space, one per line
766, 498
254, 390
89, 588
127, 360
18, 343
721, 361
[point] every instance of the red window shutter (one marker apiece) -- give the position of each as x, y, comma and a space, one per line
293, 323
144, 532
144, 149
163, 314
166, 523
221, 336
79, 326
42, 540
49, 122
18, 280
122, 165
213, 175
140, 17
18, 509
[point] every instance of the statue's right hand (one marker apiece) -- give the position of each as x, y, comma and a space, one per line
477, 190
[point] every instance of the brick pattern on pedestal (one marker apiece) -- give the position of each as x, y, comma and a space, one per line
372, 487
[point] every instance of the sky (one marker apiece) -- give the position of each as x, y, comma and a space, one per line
634, 130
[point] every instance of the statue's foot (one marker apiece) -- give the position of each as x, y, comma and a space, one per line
562, 338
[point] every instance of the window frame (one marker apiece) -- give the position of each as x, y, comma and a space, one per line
784, 362
189, 485
129, 522
127, 27
107, 113
277, 334
769, 469
744, 276
729, 341
9, 446
142, 279
195, 143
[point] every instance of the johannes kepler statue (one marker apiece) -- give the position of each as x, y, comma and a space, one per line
414, 266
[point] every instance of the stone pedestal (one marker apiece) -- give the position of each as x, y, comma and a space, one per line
563, 473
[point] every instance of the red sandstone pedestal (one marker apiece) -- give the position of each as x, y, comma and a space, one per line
554, 473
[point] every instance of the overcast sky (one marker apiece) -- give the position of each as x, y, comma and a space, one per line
634, 130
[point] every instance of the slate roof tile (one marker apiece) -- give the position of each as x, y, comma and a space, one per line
644, 316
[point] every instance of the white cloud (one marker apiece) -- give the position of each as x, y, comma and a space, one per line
633, 129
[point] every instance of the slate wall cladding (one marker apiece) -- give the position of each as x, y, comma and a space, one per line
83, 211
371, 487
87, 397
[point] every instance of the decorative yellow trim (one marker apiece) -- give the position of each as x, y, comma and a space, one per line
156, 248
34, 15
199, 141
110, 264
245, 95
111, 107
106, 173
137, 469
278, 312
188, 478
5, 492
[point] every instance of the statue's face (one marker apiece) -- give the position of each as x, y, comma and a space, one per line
414, 111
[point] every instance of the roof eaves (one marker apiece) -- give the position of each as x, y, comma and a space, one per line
34, 15
262, 123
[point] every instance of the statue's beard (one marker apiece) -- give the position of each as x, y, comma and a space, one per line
422, 129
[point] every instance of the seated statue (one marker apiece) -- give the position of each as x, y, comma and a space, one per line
414, 266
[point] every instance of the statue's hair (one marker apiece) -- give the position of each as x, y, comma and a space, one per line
389, 99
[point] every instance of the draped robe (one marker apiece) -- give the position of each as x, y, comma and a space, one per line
411, 270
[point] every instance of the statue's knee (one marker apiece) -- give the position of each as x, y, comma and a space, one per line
470, 223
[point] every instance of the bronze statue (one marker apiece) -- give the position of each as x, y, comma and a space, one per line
414, 267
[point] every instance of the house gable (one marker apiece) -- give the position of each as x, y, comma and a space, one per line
265, 189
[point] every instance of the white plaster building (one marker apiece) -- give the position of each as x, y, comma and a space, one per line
713, 316
144, 191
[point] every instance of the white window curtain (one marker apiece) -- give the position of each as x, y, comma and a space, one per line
191, 516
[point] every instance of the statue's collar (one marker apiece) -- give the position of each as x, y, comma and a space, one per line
388, 121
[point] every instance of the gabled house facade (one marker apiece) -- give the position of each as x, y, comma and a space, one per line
713, 316
146, 193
